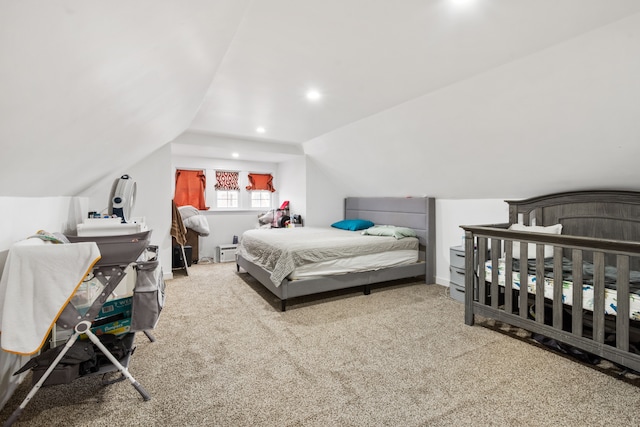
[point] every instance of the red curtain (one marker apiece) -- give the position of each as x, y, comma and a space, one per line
190, 186
260, 181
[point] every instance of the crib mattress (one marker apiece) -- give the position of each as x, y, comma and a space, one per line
567, 291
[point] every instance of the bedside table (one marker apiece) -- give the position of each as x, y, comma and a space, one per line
456, 273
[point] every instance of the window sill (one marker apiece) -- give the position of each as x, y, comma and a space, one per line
234, 211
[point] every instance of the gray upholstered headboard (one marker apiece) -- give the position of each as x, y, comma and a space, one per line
417, 213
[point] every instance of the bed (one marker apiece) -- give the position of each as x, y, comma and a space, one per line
417, 213
580, 284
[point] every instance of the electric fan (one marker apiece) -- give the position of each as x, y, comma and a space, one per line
123, 197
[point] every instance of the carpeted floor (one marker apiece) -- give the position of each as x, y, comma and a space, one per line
402, 356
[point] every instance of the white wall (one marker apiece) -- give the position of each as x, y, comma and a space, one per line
223, 226
153, 177
21, 217
451, 214
292, 175
325, 197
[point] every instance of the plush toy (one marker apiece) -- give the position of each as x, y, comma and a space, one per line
266, 218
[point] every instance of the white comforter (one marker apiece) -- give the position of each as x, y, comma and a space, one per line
192, 219
281, 250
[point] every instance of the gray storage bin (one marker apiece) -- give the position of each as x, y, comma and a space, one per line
456, 292
456, 257
457, 276
61, 374
148, 296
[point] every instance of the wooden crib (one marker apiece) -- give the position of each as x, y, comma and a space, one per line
598, 250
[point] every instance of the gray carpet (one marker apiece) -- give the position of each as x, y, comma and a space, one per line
225, 356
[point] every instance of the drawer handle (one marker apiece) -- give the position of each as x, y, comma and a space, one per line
462, 274
461, 256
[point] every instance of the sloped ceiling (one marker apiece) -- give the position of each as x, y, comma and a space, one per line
366, 56
562, 119
89, 85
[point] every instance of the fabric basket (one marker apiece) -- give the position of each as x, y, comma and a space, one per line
148, 296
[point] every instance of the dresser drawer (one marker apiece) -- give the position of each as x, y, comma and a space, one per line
456, 292
456, 257
456, 276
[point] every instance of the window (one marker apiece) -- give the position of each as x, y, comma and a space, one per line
190, 188
227, 189
260, 187
226, 199
261, 199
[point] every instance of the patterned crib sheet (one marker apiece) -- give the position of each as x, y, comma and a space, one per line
611, 300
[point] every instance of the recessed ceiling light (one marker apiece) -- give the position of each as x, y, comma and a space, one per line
236, 155
260, 129
313, 95
463, 3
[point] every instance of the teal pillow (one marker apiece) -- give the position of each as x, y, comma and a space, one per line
353, 224
390, 230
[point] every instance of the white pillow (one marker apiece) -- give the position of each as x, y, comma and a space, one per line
389, 230
531, 249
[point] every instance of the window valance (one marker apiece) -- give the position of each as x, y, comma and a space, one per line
260, 181
227, 181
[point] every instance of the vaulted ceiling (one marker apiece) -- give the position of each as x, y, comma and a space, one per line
87, 86
367, 56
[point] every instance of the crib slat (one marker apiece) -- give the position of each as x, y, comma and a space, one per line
557, 287
508, 276
495, 286
470, 269
482, 284
540, 283
598, 293
538, 215
576, 310
622, 318
524, 281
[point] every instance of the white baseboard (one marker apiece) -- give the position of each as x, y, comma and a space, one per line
442, 281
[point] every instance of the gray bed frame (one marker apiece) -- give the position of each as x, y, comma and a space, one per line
417, 213
602, 227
